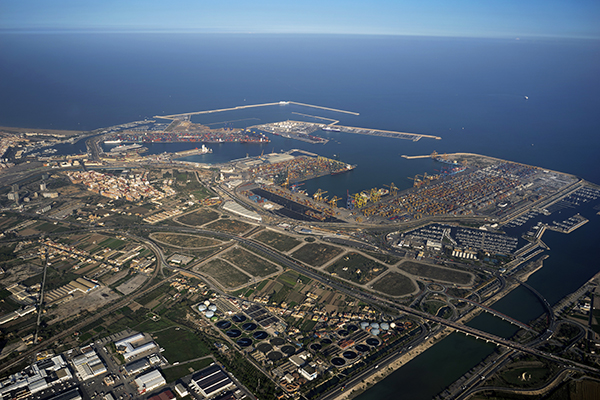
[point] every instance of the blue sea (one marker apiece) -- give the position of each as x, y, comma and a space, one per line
531, 100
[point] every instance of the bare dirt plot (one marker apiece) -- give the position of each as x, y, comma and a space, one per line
96, 299
229, 226
394, 284
436, 273
249, 262
277, 240
198, 218
316, 254
222, 272
131, 285
356, 268
184, 240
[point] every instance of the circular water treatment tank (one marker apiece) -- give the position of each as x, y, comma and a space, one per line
224, 324
325, 342
316, 346
260, 335
375, 332
212, 308
350, 355
209, 314
363, 348
233, 333
374, 325
364, 325
238, 318
393, 325
244, 342
277, 341
385, 326
289, 350
337, 361
201, 308
373, 342
264, 347
343, 332
352, 328
249, 326
274, 356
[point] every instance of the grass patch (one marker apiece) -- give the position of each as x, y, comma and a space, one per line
316, 254
394, 284
249, 262
198, 218
289, 278
230, 226
183, 240
181, 345
224, 273
356, 268
277, 240
112, 243
308, 325
436, 273
172, 374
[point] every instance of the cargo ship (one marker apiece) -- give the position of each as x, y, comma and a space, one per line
331, 129
341, 171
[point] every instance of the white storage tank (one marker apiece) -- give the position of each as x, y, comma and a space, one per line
201, 308
375, 332
212, 308
384, 325
364, 325
209, 314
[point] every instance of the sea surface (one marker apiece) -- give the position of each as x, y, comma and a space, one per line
533, 101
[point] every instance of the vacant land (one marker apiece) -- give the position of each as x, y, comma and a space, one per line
316, 254
198, 218
386, 258
394, 284
183, 240
356, 268
224, 273
436, 273
229, 226
172, 373
277, 240
249, 262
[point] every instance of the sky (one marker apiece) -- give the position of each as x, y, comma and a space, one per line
463, 18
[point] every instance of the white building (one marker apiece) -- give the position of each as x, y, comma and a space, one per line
150, 381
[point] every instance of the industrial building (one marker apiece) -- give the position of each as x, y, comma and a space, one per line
126, 346
40, 376
88, 364
211, 381
150, 381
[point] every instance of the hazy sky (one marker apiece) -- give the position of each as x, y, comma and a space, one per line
475, 18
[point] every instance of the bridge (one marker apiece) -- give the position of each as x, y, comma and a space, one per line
499, 314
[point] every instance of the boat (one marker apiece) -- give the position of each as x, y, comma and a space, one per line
117, 141
331, 129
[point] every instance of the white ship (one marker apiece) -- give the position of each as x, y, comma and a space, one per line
126, 147
112, 141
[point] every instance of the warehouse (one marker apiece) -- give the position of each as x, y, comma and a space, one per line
211, 381
150, 381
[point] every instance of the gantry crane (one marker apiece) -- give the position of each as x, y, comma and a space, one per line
318, 196
393, 189
375, 195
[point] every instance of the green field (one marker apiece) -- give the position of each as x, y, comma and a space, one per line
356, 268
229, 226
249, 262
171, 374
394, 284
224, 273
436, 273
180, 345
316, 254
112, 243
277, 240
197, 218
184, 240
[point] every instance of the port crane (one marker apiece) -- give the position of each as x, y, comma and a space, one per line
333, 201
393, 189
318, 196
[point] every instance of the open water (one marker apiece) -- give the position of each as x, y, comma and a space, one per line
471, 92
